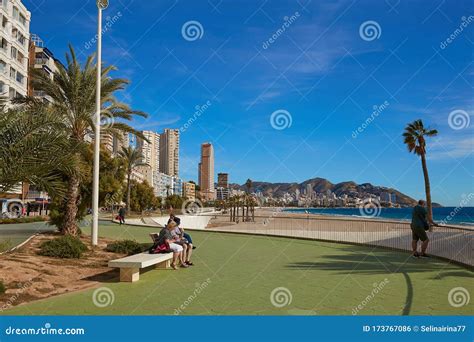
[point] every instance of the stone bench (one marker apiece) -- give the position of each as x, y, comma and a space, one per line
130, 266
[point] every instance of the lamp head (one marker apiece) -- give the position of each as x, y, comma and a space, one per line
102, 4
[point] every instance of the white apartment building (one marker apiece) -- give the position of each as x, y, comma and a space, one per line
150, 151
41, 58
14, 46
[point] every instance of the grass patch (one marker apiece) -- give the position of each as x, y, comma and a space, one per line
65, 247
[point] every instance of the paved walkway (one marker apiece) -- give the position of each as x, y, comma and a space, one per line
14, 234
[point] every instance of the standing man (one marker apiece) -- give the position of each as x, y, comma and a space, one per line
419, 226
121, 215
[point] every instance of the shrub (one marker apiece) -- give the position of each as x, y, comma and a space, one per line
128, 247
2, 288
26, 219
66, 247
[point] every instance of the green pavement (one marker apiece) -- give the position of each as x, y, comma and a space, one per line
237, 275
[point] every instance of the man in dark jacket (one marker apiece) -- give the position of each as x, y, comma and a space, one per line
419, 226
121, 215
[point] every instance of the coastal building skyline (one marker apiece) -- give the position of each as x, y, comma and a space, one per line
321, 130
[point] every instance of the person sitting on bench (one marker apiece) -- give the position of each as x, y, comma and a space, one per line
166, 237
178, 234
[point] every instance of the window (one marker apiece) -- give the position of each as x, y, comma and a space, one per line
14, 52
4, 45
3, 66
22, 20
20, 78
16, 13
12, 73
4, 22
20, 57
12, 93
21, 39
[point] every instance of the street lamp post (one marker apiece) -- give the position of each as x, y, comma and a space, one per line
101, 5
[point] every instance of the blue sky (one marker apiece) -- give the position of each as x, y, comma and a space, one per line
323, 72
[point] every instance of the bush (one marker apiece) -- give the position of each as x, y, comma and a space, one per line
26, 219
66, 247
2, 288
128, 247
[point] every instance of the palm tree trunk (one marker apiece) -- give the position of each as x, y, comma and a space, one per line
128, 191
427, 188
69, 226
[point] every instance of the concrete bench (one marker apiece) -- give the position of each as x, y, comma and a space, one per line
130, 266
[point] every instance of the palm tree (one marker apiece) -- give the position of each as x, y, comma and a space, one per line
133, 159
248, 185
415, 138
32, 148
168, 187
73, 91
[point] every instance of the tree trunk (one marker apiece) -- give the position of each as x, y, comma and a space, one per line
427, 188
69, 226
128, 192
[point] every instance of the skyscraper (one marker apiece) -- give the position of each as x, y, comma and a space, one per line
169, 152
206, 172
150, 151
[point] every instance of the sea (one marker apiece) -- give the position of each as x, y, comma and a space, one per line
446, 215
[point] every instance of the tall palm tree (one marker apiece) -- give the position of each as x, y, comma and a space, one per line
415, 138
73, 92
133, 159
248, 185
168, 187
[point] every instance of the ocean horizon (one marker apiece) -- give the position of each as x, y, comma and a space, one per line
447, 215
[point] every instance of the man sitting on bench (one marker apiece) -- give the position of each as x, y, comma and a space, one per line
166, 236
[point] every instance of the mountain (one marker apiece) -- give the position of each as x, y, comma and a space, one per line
321, 185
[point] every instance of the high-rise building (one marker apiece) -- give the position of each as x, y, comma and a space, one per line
222, 180
222, 190
189, 191
14, 46
40, 58
150, 150
169, 152
206, 172
309, 190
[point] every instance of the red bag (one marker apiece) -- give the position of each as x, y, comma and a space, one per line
160, 249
